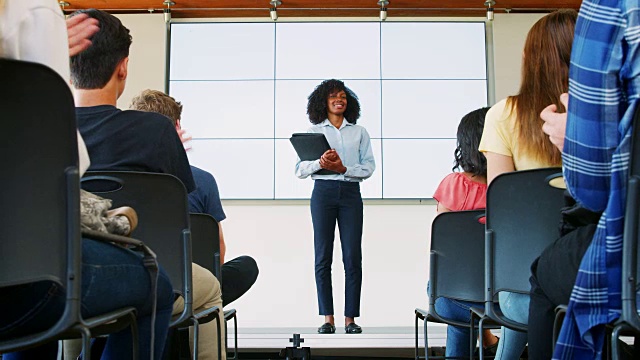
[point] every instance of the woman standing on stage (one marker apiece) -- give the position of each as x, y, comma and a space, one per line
333, 110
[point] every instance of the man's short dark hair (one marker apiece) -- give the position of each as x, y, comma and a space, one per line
92, 68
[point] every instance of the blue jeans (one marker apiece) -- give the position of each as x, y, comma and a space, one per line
515, 307
457, 336
339, 201
112, 278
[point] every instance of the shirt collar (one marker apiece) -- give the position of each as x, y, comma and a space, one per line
326, 122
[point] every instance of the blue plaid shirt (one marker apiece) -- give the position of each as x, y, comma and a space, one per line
603, 91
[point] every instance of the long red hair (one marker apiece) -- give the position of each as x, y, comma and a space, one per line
545, 75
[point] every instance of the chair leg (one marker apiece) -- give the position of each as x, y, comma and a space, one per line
480, 339
615, 345
557, 325
86, 343
472, 326
196, 337
218, 319
608, 344
226, 338
426, 339
416, 348
134, 339
235, 337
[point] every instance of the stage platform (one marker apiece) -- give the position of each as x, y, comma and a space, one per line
374, 342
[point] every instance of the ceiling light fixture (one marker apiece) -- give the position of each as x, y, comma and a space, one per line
383, 9
63, 4
167, 11
489, 4
273, 11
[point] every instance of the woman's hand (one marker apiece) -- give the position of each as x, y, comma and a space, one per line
331, 155
330, 160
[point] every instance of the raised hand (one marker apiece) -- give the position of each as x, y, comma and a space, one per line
80, 28
185, 138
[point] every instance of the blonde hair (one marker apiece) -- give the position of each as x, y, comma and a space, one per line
158, 102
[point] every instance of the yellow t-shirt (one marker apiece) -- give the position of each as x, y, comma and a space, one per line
500, 136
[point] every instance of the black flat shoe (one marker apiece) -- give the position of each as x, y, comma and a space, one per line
326, 328
352, 329
490, 350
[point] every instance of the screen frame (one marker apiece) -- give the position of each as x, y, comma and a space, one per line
489, 71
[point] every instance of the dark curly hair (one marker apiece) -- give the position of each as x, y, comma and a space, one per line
467, 157
317, 105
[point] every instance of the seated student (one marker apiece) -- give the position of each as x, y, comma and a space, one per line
35, 30
583, 267
133, 140
556, 268
513, 139
466, 190
239, 274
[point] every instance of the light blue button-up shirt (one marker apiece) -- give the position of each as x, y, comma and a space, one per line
353, 145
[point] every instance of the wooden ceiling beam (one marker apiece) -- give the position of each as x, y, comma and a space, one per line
315, 8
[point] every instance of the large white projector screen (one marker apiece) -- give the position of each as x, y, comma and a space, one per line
244, 88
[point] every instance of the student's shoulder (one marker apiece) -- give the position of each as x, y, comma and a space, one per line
151, 119
201, 174
153, 125
500, 112
451, 181
498, 108
204, 180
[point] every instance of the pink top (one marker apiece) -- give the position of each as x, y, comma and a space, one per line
457, 192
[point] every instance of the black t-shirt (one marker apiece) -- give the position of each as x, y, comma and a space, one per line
133, 141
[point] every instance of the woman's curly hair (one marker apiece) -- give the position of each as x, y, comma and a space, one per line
467, 157
317, 105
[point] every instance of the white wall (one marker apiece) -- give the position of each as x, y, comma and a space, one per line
395, 248
509, 34
147, 55
279, 233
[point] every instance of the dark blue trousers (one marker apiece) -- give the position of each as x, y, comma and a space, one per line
339, 201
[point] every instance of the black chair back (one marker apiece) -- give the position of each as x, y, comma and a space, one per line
523, 218
630, 248
456, 268
160, 201
40, 192
205, 243
457, 257
39, 183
